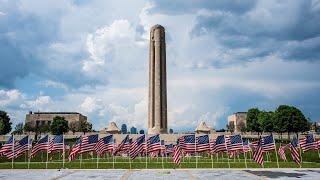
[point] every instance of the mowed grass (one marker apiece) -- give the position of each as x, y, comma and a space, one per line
90, 161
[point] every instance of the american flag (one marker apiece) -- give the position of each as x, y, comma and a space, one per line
123, 146
187, 143
56, 144
246, 146
234, 143
212, 143
88, 143
7, 147
169, 148
220, 145
258, 154
137, 147
308, 143
75, 150
42, 145
282, 153
294, 150
153, 144
203, 143
177, 153
19, 148
268, 143
104, 145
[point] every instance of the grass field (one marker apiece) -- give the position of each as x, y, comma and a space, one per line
89, 161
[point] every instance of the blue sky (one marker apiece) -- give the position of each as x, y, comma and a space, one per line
222, 57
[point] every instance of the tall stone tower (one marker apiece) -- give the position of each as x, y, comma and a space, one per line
157, 122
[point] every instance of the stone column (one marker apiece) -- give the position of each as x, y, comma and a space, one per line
157, 122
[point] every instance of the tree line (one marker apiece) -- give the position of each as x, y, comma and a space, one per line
285, 119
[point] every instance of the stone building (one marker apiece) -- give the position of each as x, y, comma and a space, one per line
237, 119
203, 128
37, 119
111, 129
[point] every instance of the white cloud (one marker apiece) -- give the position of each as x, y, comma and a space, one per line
2, 13
103, 42
54, 84
9, 97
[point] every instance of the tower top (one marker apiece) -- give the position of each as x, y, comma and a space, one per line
157, 26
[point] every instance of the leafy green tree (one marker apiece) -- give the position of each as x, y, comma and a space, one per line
299, 123
59, 126
242, 127
290, 119
266, 120
74, 126
253, 123
28, 127
85, 127
45, 128
18, 129
5, 123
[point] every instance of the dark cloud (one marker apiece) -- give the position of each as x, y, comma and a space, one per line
291, 30
25, 48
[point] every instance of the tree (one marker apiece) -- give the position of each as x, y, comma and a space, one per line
231, 126
18, 129
74, 126
59, 126
290, 119
45, 128
141, 131
171, 131
266, 120
85, 127
242, 126
253, 120
5, 123
28, 127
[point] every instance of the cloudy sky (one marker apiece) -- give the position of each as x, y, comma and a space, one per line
91, 56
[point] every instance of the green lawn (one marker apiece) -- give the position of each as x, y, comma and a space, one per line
310, 160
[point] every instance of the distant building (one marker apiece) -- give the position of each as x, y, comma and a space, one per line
203, 128
133, 130
124, 129
112, 129
238, 118
37, 119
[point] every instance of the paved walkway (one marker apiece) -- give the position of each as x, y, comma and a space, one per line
233, 174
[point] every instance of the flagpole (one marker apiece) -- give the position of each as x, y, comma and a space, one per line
275, 150
47, 152
63, 151
28, 151
244, 154
12, 160
129, 155
97, 160
80, 160
195, 150
227, 151
145, 140
300, 153
113, 156
211, 161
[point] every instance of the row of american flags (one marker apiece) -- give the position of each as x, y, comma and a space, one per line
153, 146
